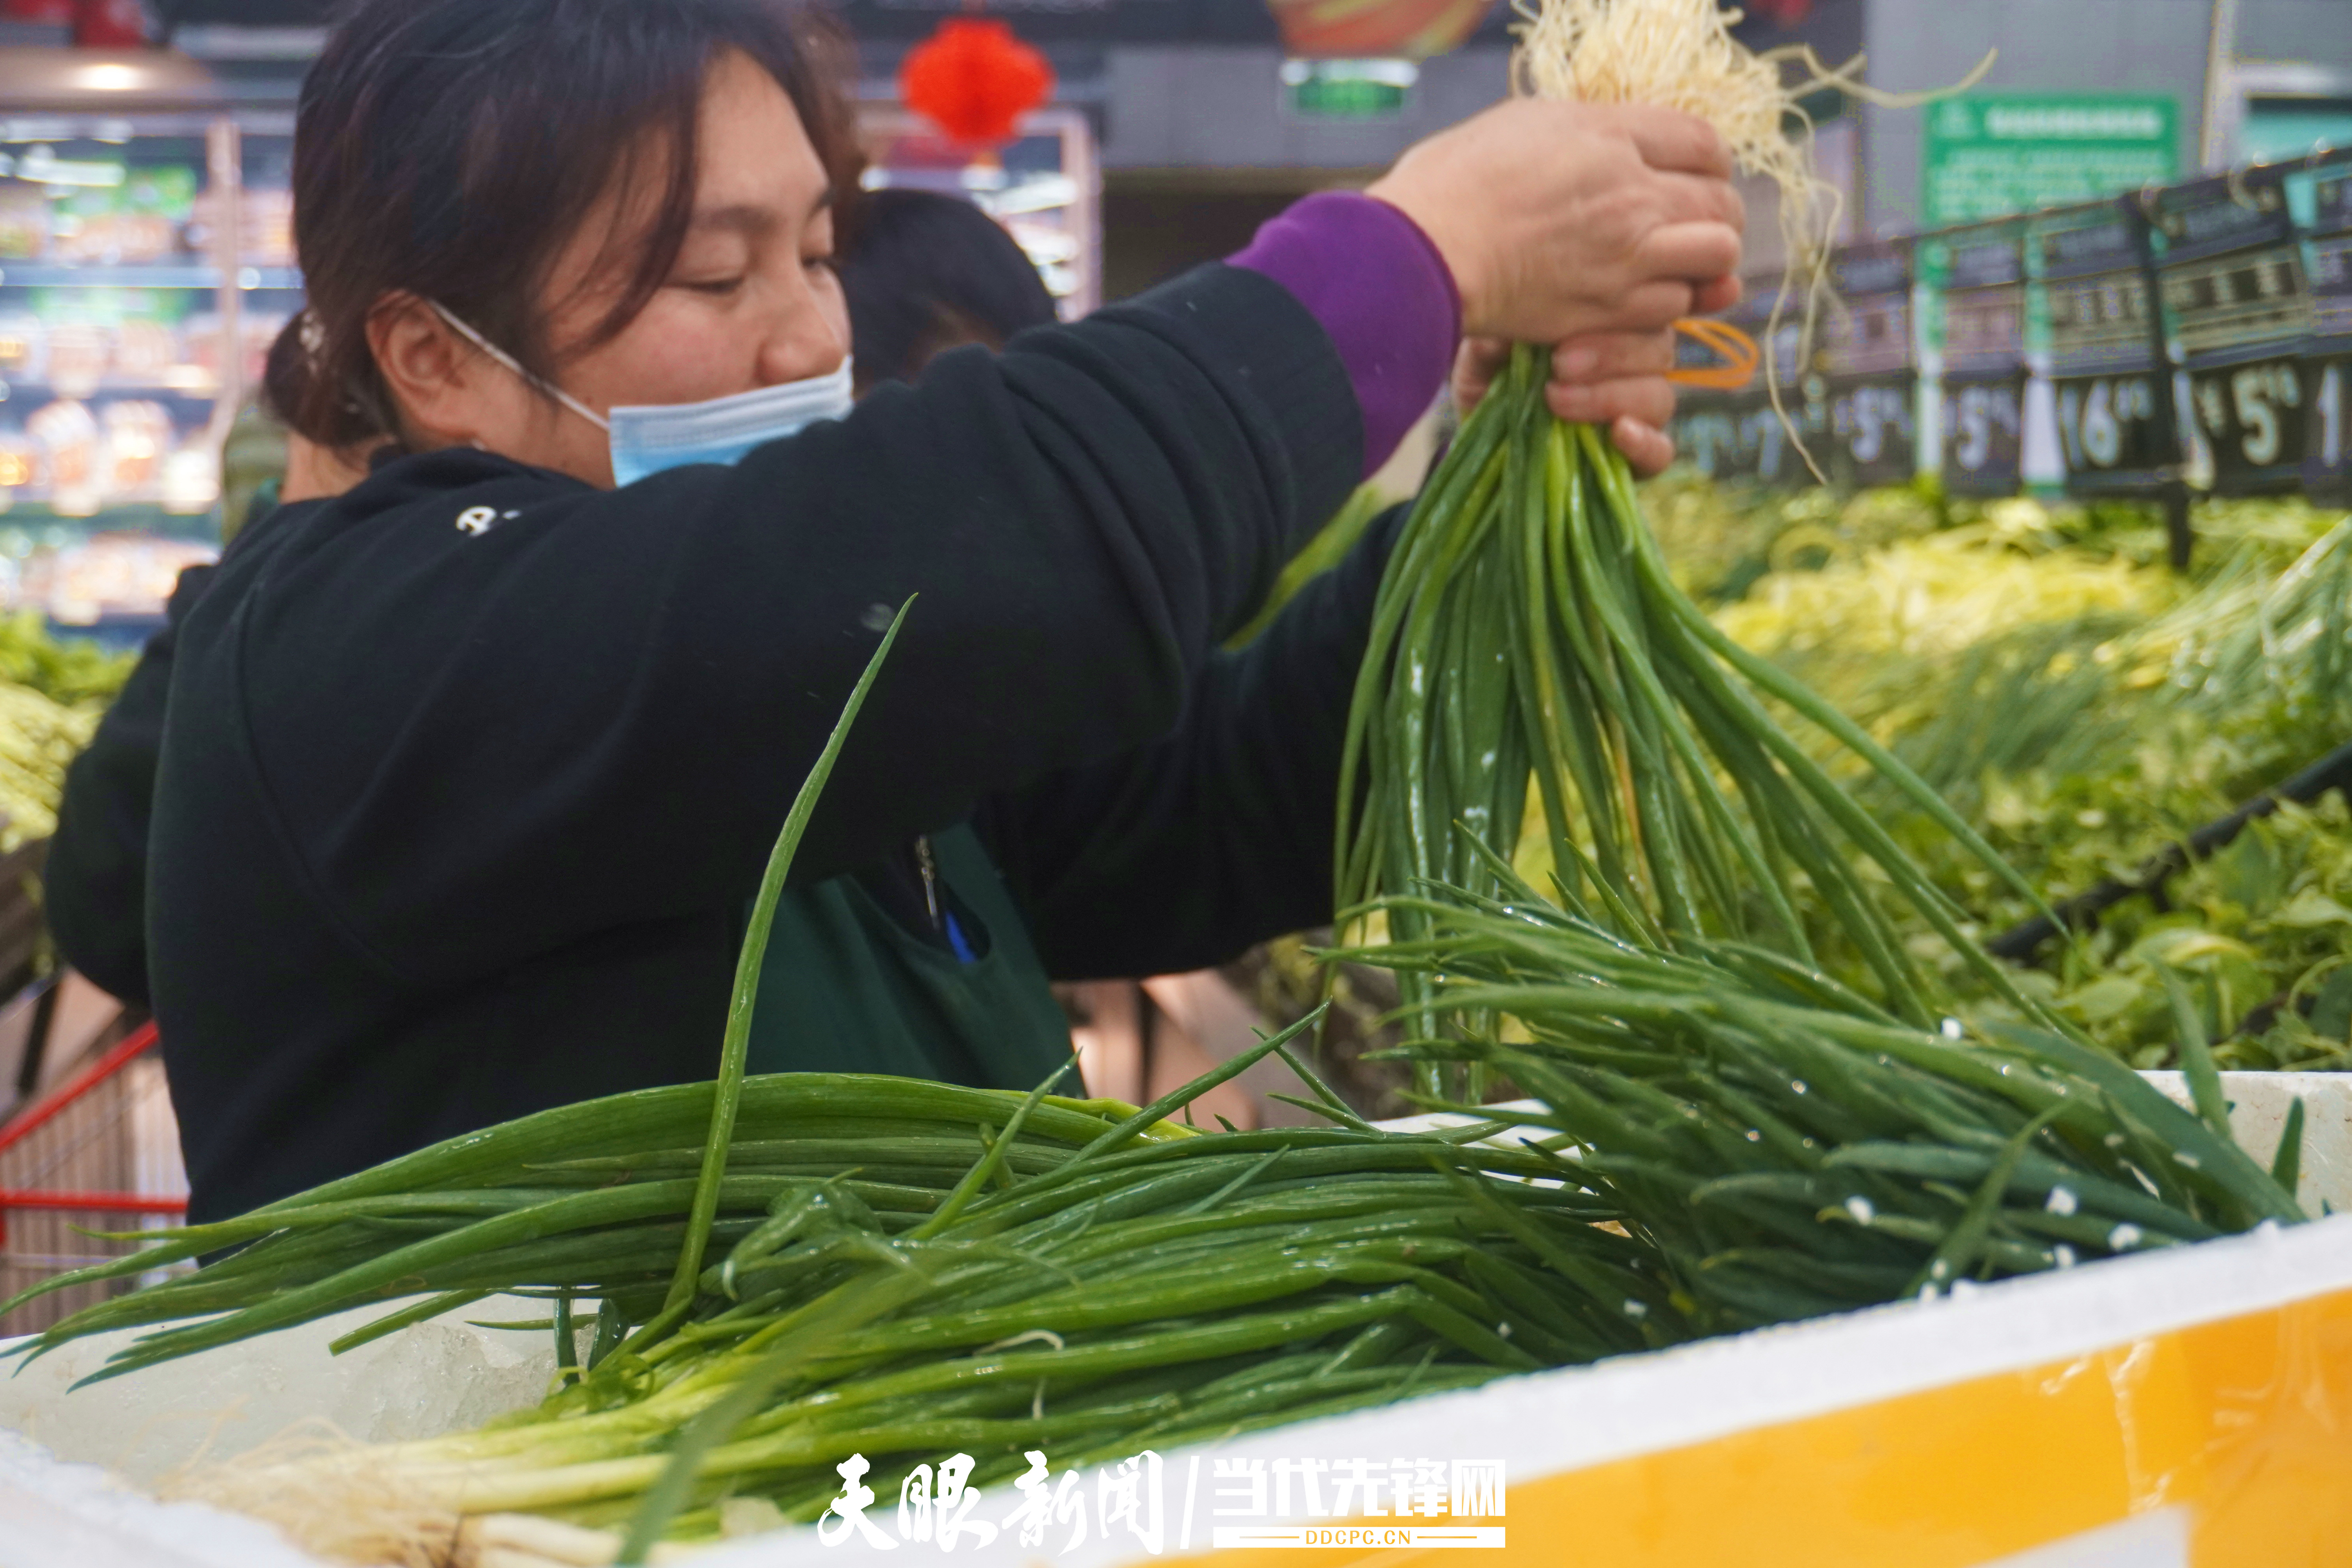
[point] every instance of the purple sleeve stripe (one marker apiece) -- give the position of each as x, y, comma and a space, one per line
1384, 295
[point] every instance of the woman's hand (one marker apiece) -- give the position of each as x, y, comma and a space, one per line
1566, 221
1613, 379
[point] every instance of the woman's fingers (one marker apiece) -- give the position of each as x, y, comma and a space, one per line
1696, 251
1645, 447
1606, 356
1718, 295
1654, 306
1688, 198
1669, 139
1649, 399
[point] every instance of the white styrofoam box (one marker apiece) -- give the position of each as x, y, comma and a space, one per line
439, 1376
2259, 1103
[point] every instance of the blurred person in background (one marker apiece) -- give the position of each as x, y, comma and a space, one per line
253, 468
923, 272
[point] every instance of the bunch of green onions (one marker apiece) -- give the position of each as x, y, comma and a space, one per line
1528, 632
794, 1268
1138, 1293
904, 1269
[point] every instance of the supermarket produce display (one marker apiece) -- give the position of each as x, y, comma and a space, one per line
1786, 896
2091, 713
858, 1267
1773, 1074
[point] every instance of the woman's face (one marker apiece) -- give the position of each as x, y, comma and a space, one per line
753, 300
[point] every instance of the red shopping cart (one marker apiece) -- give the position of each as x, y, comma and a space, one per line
99, 1148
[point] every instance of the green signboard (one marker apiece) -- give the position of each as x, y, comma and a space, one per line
1347, 90
1988, 155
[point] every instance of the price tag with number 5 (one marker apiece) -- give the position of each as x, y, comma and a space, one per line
2252, 416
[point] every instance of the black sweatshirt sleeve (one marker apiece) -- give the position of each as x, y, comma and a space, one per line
1183, 853
493, 711
94, 884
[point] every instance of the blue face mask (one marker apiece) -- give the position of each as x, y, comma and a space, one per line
648, 438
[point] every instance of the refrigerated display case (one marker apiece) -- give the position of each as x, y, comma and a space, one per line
146, 261
1044, 186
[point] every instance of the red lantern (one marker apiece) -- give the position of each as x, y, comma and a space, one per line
108, 25
974, 79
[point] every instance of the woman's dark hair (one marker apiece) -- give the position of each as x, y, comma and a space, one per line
924, 272
451, 148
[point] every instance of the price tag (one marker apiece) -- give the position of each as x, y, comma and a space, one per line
1874, 431
1706, 437
2252, 416
2327, 428
1983, 441
2116, 433
2113, 432
2236, 301
2101, 320
2243, 298
1982, 300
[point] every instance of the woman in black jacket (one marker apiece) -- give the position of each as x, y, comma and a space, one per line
468, 774
924, 272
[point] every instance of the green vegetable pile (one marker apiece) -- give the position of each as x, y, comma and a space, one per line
52, 694
907, 1270
2086, 708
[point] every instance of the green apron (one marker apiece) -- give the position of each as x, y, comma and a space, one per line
846, 988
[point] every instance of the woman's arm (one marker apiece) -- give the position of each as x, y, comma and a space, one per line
1185, 852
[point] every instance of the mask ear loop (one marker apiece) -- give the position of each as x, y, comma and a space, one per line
535, 383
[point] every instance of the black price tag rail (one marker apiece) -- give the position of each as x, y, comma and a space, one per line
1984, 372
2232, 283
2219, 310
1868, 381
